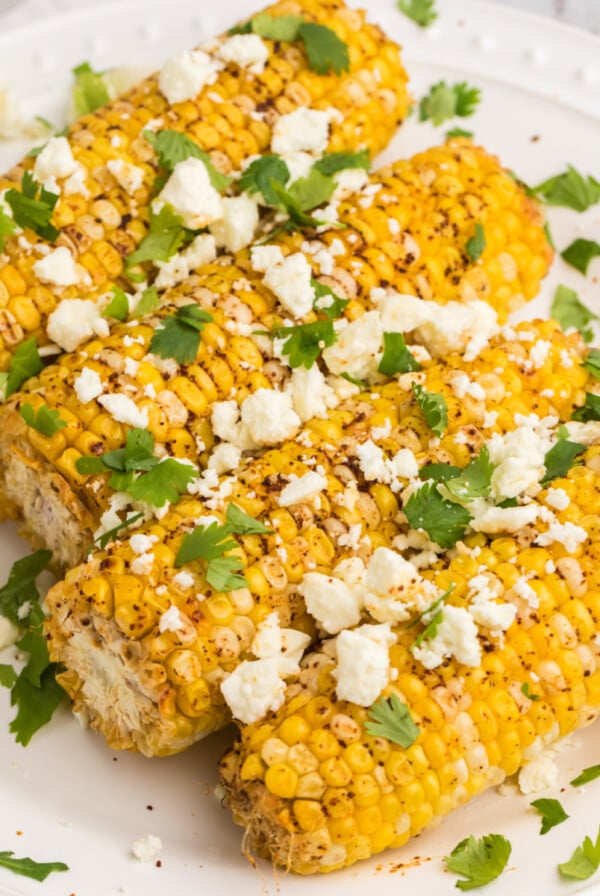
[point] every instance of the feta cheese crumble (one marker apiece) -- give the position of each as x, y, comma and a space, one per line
124, 410
303, 489
184, 75
269, 417
363, 663
456, 636
249, 51
303, 129
290, 280
88, 385
54, 161
171, 620
146, 849
334, 604
128, 176
191, 194
75, 320
57, 267
239, 220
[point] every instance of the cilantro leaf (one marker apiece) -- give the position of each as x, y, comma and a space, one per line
475, 480
569, 190
111, 534
444, 521
479, 861
332, 162
221, 574
45, 420
173, 147
211, 543
592, 363
325, 50
439, 472
458, 132
569, 311
326, 301
525, 690
588, 411
8, 676
552, 813
90, 90
430, 630
580, 253
25, 363
20, 587
167, 481
476, 245
434, 408
287, 203
422, 12
148, 302
137, 455
584, 862
7, 228
118, 307
284, 28
390, 718
308, 192
588, 774
446, 101
241, 523
559, 460
258, 176
178, 335
32, 210
396, 357
166, 234
27, 867
305, 342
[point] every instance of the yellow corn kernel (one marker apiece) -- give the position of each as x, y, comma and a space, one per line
281, 780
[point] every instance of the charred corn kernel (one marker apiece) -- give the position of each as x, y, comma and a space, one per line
99, 594
194, 699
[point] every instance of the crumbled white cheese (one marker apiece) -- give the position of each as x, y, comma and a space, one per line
141, 543
290, 280
395, 589
88, 385
557, 498
9, 633
128, 176
265, 257
357, 351
539, 774
363, 663
143, 564
248, 51
254, 688
494, 520
171, 620
124, 410
311, 394
539, 352
404, 463
567, 534
75, 320
302, 129
183, 580
269, 417
191, 194
303, 489
226, 424
201, 251
58, 268
184, 75
456, 636
462, 386
224, 458
584, 433
348, 181
334, 604
235, 229
285, 644
483, 607
76, 183
298, 164
147, 848
372, 462
518, 457
55, 160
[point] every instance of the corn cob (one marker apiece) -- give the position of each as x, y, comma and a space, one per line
101, 220
395, 238
156, 690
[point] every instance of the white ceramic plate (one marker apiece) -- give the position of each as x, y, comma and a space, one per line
66, 797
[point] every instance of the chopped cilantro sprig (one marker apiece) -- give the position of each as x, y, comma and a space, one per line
580, 253
178, 335
396, 357
33, 207
584, 862
324, 49
390, 717
304, 343
588, 774
27, 867
7, 228
479, 861
25, 363
445, 101
476, 244
89, 91
552, 813
570, 189
559, 459
571, 313
434, 408
590, 410
166, 234
444, 521
422, 12
173, 147
45, 420
592, 363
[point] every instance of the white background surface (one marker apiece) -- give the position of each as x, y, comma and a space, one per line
74, 800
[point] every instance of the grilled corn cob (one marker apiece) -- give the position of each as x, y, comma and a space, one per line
148, 685
399, 232
103, 216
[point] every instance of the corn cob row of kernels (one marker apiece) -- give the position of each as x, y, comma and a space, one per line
102, 218
163, 690
395, 241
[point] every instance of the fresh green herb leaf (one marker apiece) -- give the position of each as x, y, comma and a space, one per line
549, 237
580, 253
439, 472
552, 813
283, 28
325, 50
241, 523
569, 190
259, 174
430, 630
90, 90
7, 228
476, 245
303, 344
166, 234
422, 12
111, 534
25, 363
446, 101
444, 521
479, 861
33, 207
354, 380
434, 408
136, 456
149, 301
508, 502
559, 460
20, 588
178, 335
396, 357
584, 862
211, 543
45, 420
569, 311
26, 867
327, 302
308, 192
389, 717
166, 481
590, 410
173, 147
458, 132
221, 574
285, 201
118, 307
475, 481
8, 676
592, 363
525, 690
588, 774
433, 608
332, 162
